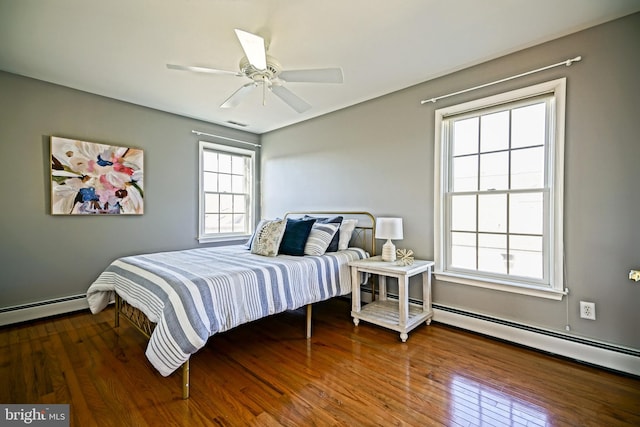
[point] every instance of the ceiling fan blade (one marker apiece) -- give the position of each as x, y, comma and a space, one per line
237, 96
320, 75
290, 98
203, 70
253, 47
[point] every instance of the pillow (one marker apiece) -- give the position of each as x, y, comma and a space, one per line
346, 230
253, 236
320, 237
295, 236
333, 246
268, 237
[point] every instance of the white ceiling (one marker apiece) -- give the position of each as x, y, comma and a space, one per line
120, 48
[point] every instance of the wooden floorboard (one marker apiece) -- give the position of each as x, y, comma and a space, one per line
267, 374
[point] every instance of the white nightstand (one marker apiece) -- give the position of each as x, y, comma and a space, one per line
398, 315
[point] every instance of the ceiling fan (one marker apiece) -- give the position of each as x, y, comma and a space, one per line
264, 70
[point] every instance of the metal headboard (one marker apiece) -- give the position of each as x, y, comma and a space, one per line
364, 234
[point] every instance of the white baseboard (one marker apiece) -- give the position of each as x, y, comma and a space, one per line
42, 309
600, 354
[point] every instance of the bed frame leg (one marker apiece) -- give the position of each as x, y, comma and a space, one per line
118, 306
185, 380
308, 321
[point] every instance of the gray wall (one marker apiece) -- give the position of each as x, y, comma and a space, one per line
45, 257
378, 156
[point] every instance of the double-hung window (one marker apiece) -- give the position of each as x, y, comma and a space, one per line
226, 192
499, 191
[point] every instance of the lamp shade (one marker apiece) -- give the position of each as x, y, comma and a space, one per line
389, 228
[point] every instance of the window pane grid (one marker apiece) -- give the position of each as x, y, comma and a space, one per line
226, 192
487, 168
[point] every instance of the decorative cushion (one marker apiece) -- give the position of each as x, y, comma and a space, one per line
346, 230
320, 237
295, 236
268, 237
333, 246
250, 241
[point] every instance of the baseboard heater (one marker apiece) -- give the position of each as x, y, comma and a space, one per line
40, 309
610, 356
621, 359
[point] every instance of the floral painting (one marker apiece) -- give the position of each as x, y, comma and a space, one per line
94, 179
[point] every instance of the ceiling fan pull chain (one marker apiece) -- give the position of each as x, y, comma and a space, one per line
264, 90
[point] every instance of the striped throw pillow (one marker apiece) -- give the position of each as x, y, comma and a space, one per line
319, 238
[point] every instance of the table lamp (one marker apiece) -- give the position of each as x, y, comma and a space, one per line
389, 228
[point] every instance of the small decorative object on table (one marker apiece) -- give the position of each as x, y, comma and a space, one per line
405, 257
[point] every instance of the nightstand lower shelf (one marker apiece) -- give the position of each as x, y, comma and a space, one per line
386, 314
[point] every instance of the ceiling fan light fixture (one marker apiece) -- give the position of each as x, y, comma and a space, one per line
271, 70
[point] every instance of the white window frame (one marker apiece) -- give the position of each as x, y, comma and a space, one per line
204, 237
553, 287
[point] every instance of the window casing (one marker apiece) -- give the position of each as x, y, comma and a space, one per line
499, 191
226, 188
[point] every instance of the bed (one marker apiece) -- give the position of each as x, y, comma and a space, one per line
179, 299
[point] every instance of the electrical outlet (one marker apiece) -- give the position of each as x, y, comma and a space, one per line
588, 310
634, 275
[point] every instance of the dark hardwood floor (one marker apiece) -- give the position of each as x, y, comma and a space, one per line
267, 374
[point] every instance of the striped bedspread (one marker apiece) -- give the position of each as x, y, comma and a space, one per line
196, 293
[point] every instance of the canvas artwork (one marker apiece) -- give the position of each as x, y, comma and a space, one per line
95, 179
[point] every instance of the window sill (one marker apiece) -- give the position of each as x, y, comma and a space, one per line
512, 287
224, 239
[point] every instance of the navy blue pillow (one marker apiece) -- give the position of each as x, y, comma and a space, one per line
295, 236
333, 246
